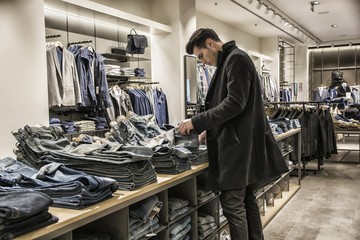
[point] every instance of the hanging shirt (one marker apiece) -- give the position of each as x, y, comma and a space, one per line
161, 108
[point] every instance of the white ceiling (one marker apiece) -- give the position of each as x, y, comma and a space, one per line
246, 15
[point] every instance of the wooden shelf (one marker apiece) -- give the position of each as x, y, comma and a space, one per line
279, 203
287, 134
71, 219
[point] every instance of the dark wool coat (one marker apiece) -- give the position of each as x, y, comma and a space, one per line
241, 147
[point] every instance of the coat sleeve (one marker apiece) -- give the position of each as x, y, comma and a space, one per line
239, 78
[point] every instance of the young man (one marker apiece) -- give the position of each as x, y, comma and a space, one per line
242, 150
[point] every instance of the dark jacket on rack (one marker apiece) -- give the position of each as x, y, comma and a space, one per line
241, 147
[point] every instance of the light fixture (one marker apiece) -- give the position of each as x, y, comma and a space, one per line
286, 23
333, 25
267, 11
250, 1
313, 3
258, 6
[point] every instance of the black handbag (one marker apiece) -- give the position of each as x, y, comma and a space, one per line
336, 76
136, 44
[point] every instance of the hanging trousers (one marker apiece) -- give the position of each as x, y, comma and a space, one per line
242, 212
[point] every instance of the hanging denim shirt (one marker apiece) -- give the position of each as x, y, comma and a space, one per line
83, 63
160, 106
101, 85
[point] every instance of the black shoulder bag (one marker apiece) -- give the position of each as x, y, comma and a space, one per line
136, 44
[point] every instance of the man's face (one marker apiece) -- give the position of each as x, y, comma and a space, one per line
206, 55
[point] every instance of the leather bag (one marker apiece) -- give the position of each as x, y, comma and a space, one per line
136, 43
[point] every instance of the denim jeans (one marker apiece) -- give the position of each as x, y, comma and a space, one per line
175, 228
178, 212
142, 210
147, 227
182, 233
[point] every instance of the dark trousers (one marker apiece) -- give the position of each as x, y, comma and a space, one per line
242, 212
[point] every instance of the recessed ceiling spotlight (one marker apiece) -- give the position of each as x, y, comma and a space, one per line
334, 25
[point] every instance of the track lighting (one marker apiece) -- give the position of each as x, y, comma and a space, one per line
313, 3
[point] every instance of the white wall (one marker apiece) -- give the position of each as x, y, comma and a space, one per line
301, 72
226, 32
270, 47
23, 86
168, 51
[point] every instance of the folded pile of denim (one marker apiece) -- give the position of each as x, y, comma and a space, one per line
203, 195
202, 156
353, 114
69, 126
145, 124
177, 207
33, 142
23, 212
221, 214
171, 160
129, 165
100, 122
55, 122
282, 148
139, 72
190, 142
85, 126
143, 217
68, 188
283, 125
206, 225
180, 229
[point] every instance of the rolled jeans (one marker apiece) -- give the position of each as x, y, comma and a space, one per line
242, 212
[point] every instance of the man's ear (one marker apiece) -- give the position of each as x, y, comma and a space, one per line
209, 42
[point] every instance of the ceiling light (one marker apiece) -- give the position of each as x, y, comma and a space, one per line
334, 25
267, 11
250, 1
286, 23
324, 12
258, 6
313, 3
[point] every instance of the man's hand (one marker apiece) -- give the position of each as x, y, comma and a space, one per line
185, 127
201, 137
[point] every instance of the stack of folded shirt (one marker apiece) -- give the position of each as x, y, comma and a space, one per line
113, 70
169, 160
22, 212
143, 219
221, 214
206, 224
127, 71
54, 122
139, 72
180, 229
100, 122
202, 195
177, 207
68, 188
85, 125
69, 126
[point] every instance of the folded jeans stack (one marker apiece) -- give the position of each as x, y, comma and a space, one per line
202, 156
69, 126
23, 212
171, 160
177, 207
204, 196
143, 219
33, 142
180, 229
206, 225
129, 165
67, 188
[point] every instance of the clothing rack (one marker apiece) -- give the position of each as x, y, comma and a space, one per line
53, 36
138, 82
79, 42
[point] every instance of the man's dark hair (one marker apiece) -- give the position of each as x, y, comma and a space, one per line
198, 39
